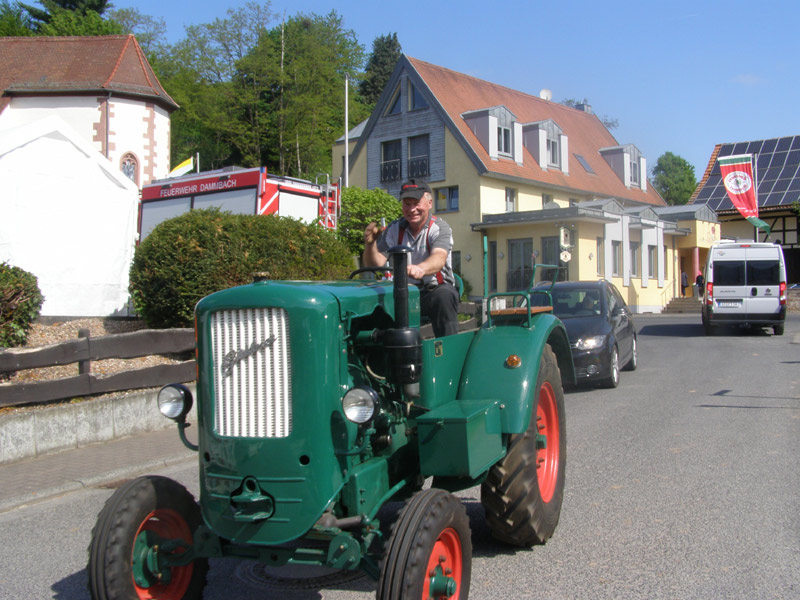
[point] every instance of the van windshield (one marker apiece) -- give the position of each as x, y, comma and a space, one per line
763, 272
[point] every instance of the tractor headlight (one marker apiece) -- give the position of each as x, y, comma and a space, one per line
175, 401
359, 404
590, 343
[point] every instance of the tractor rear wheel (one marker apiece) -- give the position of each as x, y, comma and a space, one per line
429, 554
142, 515
522, 494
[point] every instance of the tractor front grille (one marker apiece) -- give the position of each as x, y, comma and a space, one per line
252, 373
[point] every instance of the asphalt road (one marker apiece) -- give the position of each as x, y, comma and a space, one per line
682, 483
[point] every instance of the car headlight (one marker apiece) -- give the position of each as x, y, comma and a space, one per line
359, 404
590, 343
175, 401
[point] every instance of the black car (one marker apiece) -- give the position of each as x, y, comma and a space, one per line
599, 324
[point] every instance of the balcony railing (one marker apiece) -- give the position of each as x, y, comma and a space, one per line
390, 170
418, 166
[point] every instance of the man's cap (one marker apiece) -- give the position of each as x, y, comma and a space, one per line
414, 189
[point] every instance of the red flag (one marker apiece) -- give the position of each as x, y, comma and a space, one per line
737, 175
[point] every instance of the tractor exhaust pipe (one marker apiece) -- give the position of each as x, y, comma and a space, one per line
400, 256
403, 344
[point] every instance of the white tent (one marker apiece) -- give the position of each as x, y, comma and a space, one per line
68, 217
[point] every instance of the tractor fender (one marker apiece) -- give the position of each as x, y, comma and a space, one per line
486, 374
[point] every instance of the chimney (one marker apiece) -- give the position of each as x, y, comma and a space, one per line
587, 108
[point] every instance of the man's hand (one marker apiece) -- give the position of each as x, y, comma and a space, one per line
415, 271
371, 257
371, 233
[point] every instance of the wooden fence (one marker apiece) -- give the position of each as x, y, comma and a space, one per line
83, 351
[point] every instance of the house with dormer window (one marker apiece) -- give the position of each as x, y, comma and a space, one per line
511, 173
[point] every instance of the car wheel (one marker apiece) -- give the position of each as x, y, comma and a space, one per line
777, 329
634, 361
612, 380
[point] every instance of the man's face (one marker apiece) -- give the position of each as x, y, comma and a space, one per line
416, 211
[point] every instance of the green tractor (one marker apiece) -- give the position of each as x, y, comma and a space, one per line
318, 404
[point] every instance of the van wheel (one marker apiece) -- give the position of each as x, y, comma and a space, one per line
778, 329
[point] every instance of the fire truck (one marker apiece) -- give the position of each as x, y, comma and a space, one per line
241, 191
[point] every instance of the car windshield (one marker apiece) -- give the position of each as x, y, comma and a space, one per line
569, 304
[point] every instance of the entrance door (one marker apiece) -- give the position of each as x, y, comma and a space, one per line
520, 264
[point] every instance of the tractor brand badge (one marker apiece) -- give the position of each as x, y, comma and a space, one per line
438, 348
738, 182
234, 357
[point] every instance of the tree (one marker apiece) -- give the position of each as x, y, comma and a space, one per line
67, 22
43, 16
360, 208
673, 177
14, 21
219, 115
305, 106
608, 122
386, 51
150, 32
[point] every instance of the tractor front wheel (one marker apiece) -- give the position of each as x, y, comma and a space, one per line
522, 494
146, 517
429, 554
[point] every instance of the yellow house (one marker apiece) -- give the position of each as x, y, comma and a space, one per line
522, 180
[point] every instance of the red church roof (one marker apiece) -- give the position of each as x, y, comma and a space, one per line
78, 65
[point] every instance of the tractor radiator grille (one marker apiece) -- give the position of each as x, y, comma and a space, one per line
252, 373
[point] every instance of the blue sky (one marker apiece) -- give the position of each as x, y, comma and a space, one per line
679, 76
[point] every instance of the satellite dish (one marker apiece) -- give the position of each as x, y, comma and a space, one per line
546, 94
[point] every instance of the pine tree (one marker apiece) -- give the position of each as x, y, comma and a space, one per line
386, 51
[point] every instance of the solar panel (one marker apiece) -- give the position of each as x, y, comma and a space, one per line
777, 173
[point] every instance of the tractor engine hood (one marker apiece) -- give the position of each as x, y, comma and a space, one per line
273, 368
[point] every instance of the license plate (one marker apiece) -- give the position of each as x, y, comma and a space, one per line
729, 304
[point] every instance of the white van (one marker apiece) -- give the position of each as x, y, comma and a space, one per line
745, 284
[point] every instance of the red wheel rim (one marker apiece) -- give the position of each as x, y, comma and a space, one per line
446, 554
547, 457
168, 524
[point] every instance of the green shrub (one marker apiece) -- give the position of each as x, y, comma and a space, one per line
203, 251
361, 207
20, 303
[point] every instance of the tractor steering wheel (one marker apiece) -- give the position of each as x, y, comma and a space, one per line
369, 270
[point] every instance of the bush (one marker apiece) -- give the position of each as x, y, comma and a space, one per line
203, 251
20, 303
361, 207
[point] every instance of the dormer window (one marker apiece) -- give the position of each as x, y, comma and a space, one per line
628, 163
504, 140
546, 142
635, 173
553, 153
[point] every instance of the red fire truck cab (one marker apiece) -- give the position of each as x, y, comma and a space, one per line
242, 191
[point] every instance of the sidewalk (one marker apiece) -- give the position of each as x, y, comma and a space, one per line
36, 479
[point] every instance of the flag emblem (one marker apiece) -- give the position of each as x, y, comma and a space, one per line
738, 182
